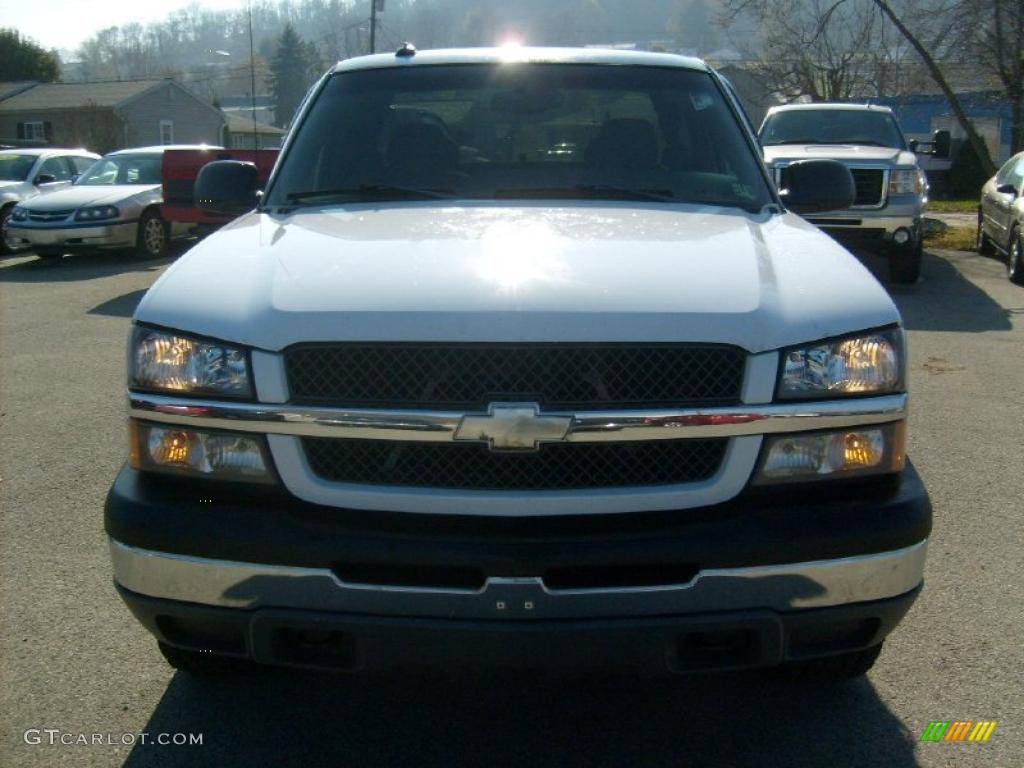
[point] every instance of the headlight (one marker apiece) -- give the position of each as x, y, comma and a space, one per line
96, 213
851, 452
859, 365
215, 455
168, 362
906, 181
19, 214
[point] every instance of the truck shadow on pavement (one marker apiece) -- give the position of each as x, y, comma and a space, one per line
943, 300
505, 719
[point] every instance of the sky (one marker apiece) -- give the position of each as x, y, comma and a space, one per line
65, 24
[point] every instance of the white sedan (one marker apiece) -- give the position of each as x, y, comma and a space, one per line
114, 204
26, 173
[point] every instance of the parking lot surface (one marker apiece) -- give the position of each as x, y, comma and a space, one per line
73, 659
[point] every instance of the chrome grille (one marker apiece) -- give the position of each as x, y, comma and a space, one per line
45, 216
556, 466
470, 376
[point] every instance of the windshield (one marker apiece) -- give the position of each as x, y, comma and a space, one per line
832, 126
521, 131
143, 168
14, 167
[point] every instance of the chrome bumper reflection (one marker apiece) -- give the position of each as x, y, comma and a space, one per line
584, 426
780, 587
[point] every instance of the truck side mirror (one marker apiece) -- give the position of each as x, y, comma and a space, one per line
941, 143
813, 186
226, 188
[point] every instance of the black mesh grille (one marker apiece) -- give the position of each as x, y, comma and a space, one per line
556, 376
475, 466
869, 185
867, 181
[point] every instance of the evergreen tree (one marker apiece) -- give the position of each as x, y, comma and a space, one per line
22, 59
293, 68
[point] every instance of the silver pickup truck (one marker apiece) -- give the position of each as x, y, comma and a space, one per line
891, 187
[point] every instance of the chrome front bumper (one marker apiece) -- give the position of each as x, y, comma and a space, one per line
98, 236
786, 587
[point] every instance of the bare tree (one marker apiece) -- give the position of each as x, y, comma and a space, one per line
940, 80
825, 50
994, 37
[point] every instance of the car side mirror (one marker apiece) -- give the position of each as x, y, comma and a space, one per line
226, 188
914, 145
45, 178
941, 144
1007, 189
813, 186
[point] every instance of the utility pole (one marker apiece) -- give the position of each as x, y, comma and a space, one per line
252, 76
375, 7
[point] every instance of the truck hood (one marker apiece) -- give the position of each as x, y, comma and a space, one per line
842, 152
488, 272
77, 196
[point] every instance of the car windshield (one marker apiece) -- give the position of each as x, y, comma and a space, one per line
15, 167
143, 168
832, 126
521, 131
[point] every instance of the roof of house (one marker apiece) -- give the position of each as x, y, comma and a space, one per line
10, 88
238, 124
71, 95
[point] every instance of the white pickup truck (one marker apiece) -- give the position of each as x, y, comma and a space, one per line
519, 359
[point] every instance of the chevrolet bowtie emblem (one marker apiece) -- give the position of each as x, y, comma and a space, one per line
513, 427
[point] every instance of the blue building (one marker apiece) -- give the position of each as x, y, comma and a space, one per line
920, 115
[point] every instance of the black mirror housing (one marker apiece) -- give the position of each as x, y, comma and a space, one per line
226, 188
1007, 189
44, 178
941, 144
914, 145
813, 186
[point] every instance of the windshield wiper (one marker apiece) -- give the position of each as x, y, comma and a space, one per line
588, 192
369, 192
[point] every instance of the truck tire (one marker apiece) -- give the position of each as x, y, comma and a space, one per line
200, 664
982, 244
905, 264
152, 236
832, 669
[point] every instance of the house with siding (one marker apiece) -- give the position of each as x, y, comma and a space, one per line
242, 132
105, 116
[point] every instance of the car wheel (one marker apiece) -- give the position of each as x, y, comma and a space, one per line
199, 664
1015, 260
982, 244
48, 254
151, 240
6, 246
905, 264
831, 670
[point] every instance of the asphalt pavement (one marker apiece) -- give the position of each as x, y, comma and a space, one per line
74, 661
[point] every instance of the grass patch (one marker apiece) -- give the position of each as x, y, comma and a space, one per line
952, 206
953, 239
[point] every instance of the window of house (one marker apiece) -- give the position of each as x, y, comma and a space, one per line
35, 131
166, 131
